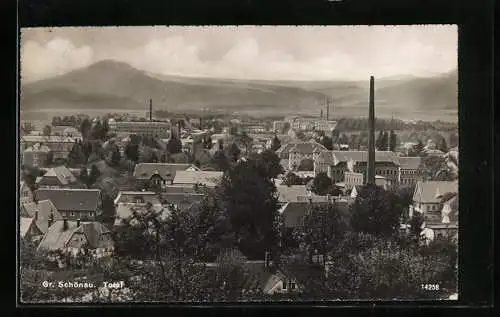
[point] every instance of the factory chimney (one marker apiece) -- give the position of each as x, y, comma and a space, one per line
327, 109
371, 134
321, 114
150, 109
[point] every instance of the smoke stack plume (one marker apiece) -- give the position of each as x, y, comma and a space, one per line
150, 109
371, 134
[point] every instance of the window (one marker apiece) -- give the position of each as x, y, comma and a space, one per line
284, 285
292, 285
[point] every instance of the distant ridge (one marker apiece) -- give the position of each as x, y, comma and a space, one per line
110, 84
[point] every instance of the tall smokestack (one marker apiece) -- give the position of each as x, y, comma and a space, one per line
327, 109
321, 114
150, 109
371, 135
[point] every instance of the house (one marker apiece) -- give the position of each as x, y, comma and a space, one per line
66, 131
207, 178
290, 193
159, 174
28, 229
296, 152
25, 194
57, 177
43, 212
36, 155
447, 226
73, 203
183, 201
78, 236
411, 170
426, 198
125, 211
59, 146
386, 164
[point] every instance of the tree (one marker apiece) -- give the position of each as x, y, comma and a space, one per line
116, 157
379, 143
291, 179
76, 156
306, 165
419, 147
374, 211
384, 143
270, 163
442, 145
234, 152
321, 184
56, 121
344, 139
327, 142
299, 135
47, 130
322, 228
93, 176
246, 140
132, 152
96, 131
84, 175
251, 205
105, 129
220, 161
174, 146
276, 143
392, 141
27, 127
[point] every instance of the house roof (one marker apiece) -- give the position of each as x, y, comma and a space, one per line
186, 199
125, 211
302, 147
176, 189
410, 163
63, 129
208, 178
132, 196
362, 156
57, 238
24, 225
429, 191
42, 210
70, 199
61, 173
144, 171
290, 193
38, 148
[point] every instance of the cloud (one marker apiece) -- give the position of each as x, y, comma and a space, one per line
56, 57
337, 53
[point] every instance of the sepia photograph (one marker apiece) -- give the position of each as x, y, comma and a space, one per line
209, 164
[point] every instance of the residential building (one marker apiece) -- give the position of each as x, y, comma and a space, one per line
207, 178
279, 126
60, 146
66, 131
386, 164
182, 201
158, 129
293, 153
411, 171
36, 155
129, 201
448, 226
426, 198
43, 212
25, 194
73, 204
158, 175
57, 177
74, 237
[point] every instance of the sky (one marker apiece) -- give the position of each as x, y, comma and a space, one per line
246, 52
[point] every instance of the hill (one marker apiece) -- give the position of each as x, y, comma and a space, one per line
118, 86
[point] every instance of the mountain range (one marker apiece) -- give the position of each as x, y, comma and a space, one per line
118, 86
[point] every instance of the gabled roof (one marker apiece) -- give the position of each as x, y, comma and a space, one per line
362, 156
164, 170
410, 163
61, 174
125, 211
182, 198
42, 211
429, 191
290, 193
70, 199
302, 147
25, 224
208, 178
58, 238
